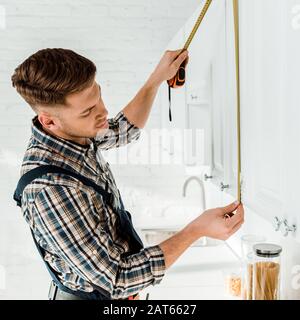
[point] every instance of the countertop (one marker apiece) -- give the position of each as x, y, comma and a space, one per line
198, 274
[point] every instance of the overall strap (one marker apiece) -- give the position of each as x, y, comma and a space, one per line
125, 224
38, 172
27, 178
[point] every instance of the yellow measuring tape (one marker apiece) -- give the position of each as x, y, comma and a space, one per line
238, 92
197, 24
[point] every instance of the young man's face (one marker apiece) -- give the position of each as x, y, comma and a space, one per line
84, 115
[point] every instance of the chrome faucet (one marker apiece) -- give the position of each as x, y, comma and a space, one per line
187, 181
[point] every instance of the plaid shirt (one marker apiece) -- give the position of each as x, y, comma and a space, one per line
71, 222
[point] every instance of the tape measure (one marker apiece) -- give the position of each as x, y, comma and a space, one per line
179, 79
238, 93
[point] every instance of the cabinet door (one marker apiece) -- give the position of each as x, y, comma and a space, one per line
226, 61
224, 106
264, 96
230, 109
291, 112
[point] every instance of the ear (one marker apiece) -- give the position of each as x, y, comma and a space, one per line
48, 121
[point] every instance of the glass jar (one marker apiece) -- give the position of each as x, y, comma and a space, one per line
266, 271
232, 277
247, 278
247, 243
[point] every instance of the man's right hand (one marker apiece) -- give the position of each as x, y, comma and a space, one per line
217, 223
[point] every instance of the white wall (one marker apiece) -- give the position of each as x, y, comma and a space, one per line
125, 38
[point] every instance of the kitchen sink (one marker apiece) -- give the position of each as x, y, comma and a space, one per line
156, 226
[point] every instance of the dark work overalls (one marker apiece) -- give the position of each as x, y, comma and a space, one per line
124, 223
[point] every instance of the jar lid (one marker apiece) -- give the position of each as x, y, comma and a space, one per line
267, 250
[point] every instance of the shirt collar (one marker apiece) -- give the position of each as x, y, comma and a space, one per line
65, 147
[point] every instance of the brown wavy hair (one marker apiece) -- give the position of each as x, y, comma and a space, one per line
49, 75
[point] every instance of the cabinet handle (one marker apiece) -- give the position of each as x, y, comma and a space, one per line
194, 97
206, 177
224, 186
276, 223
285, 228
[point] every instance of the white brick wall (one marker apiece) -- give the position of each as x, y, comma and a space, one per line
125, 38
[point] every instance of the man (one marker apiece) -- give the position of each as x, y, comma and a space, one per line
88, 241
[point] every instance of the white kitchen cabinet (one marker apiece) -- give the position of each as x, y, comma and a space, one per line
264, 108
230, 111
270, 113
269, 51
291, 112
